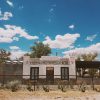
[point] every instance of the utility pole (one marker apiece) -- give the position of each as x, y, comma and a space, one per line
56, 53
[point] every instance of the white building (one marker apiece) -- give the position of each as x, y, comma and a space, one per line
49, 67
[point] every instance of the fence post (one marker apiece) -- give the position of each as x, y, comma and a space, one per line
3, 75
34, 85
3, 80
92, 82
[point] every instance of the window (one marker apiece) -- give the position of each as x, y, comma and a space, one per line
34, 75
64, 73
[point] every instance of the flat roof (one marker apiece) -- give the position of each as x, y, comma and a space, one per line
87, 64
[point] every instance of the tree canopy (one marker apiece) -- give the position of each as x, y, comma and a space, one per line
87, 57
4, 55
40, 49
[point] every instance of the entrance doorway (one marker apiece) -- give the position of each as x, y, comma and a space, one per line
50, 74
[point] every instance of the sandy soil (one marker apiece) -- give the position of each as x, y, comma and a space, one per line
52, 95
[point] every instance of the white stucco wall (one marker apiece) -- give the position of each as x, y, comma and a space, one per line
42, 69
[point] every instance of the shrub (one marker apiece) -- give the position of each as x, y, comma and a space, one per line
13, 85
97, 89
37, 86
63, 88
59, 86
29, 87
2, 86
83, 87
71, 84
46, 88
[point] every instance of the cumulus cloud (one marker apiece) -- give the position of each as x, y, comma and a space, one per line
71, 26
91, 38
95, 48
16, 52
9, 3
62, 41
12, 33
5, 15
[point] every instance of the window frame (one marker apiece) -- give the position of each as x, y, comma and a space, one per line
36, 77
63, 76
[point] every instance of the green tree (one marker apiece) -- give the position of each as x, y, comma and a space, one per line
39, 49
78, 58
89, 57
4, 55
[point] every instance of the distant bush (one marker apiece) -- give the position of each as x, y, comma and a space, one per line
71, 84
46, 88
83, 87
2, 86
13, 85
29, 87
59, 86
63, 88
97, 89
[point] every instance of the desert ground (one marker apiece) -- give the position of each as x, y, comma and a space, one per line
52, 95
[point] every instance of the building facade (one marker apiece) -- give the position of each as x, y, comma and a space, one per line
49, 68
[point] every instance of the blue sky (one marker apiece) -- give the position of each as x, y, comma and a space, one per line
68, 26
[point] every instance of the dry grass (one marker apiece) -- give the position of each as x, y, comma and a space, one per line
26, 95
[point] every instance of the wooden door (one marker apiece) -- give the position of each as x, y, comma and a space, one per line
50, 73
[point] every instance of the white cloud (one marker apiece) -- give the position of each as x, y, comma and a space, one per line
21, 7
5, 15
51, 10
49, 20
10, 3
54, 5
16, 52
95, 48
71, 27
91, 38
61, 42
14, 47
15, 38
51, 14
12, 33
42, 34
